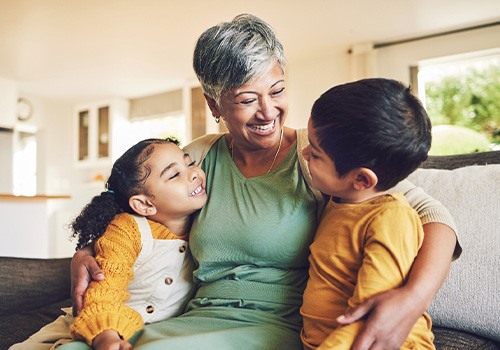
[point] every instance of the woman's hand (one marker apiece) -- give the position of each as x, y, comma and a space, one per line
390, 317
84, 269
110, 340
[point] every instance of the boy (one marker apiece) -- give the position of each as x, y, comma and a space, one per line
365, 137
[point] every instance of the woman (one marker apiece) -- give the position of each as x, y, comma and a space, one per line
250, 241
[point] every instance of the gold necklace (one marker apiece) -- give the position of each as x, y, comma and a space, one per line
275, 156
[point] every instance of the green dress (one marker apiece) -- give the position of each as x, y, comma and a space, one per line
250, 244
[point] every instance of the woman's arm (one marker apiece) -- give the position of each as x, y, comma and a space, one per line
392, 314
84, 269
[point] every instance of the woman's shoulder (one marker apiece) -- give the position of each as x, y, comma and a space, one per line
199, 147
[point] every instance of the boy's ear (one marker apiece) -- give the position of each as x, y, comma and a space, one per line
142, 205
212, 105
364, 179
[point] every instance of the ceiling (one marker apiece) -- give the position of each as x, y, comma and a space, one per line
76, 49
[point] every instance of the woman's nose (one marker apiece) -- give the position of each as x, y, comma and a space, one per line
267, 108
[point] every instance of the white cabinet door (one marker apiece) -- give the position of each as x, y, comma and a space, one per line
95, 126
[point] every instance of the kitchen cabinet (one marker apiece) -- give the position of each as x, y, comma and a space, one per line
96, 126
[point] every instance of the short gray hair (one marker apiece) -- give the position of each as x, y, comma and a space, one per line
234, 53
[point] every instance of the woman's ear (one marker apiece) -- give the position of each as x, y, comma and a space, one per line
142, 205
212, 104
364, 179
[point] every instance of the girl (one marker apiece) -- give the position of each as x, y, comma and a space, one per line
145, 215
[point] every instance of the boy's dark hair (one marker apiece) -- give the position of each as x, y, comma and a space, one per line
373, 123
127, 179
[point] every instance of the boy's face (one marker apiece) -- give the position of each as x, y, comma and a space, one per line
176, 184
324, 174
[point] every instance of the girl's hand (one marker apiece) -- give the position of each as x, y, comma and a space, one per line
390, 316
84, 269
110, 340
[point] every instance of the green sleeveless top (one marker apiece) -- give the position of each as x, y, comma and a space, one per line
251, 239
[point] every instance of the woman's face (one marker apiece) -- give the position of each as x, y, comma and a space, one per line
255, 112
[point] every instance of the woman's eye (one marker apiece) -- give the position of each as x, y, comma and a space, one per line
193, 163
247, 102
174, 176
277, 92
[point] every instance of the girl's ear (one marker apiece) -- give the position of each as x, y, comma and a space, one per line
364, 179
142, 205
213, 106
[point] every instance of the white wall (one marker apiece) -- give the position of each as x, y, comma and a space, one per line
307, 80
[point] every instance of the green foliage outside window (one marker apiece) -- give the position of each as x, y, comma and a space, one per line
470, 99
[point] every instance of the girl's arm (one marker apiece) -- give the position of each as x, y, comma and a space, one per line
104, 305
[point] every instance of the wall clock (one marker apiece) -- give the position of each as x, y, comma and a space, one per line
24, 109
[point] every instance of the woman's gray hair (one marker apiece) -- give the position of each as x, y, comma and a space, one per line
234, 53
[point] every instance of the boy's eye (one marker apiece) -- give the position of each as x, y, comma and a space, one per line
193, 163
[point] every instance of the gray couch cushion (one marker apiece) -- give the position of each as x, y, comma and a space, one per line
448, 339
469, 299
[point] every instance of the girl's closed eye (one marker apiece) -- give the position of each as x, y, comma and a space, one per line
174, 176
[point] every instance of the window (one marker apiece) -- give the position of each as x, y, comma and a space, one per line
24, 163
462, 97
161, 127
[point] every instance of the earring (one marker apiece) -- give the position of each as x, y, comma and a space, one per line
217, 119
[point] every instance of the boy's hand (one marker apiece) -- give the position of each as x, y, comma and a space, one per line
110, 340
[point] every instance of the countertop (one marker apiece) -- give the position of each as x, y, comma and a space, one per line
11, 197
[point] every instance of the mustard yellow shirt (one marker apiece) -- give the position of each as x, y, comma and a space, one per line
104, 303
359, 250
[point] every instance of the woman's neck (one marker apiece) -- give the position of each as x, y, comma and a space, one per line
252, 163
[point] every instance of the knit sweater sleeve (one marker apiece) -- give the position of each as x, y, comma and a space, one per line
429, 209
104, 303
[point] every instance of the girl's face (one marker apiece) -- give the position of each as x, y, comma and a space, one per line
176, 184
255, 112
322, 168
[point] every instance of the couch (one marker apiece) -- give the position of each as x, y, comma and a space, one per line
465, 312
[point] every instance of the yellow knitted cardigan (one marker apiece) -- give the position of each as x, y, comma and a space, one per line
104, 303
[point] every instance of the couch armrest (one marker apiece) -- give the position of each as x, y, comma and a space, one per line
27, 284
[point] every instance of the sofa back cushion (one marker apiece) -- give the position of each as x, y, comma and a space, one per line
28, 284
470, 297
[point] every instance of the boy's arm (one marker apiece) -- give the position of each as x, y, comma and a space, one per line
397, 308
104, 304
391, 245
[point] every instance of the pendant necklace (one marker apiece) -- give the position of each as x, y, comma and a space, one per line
275, 156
